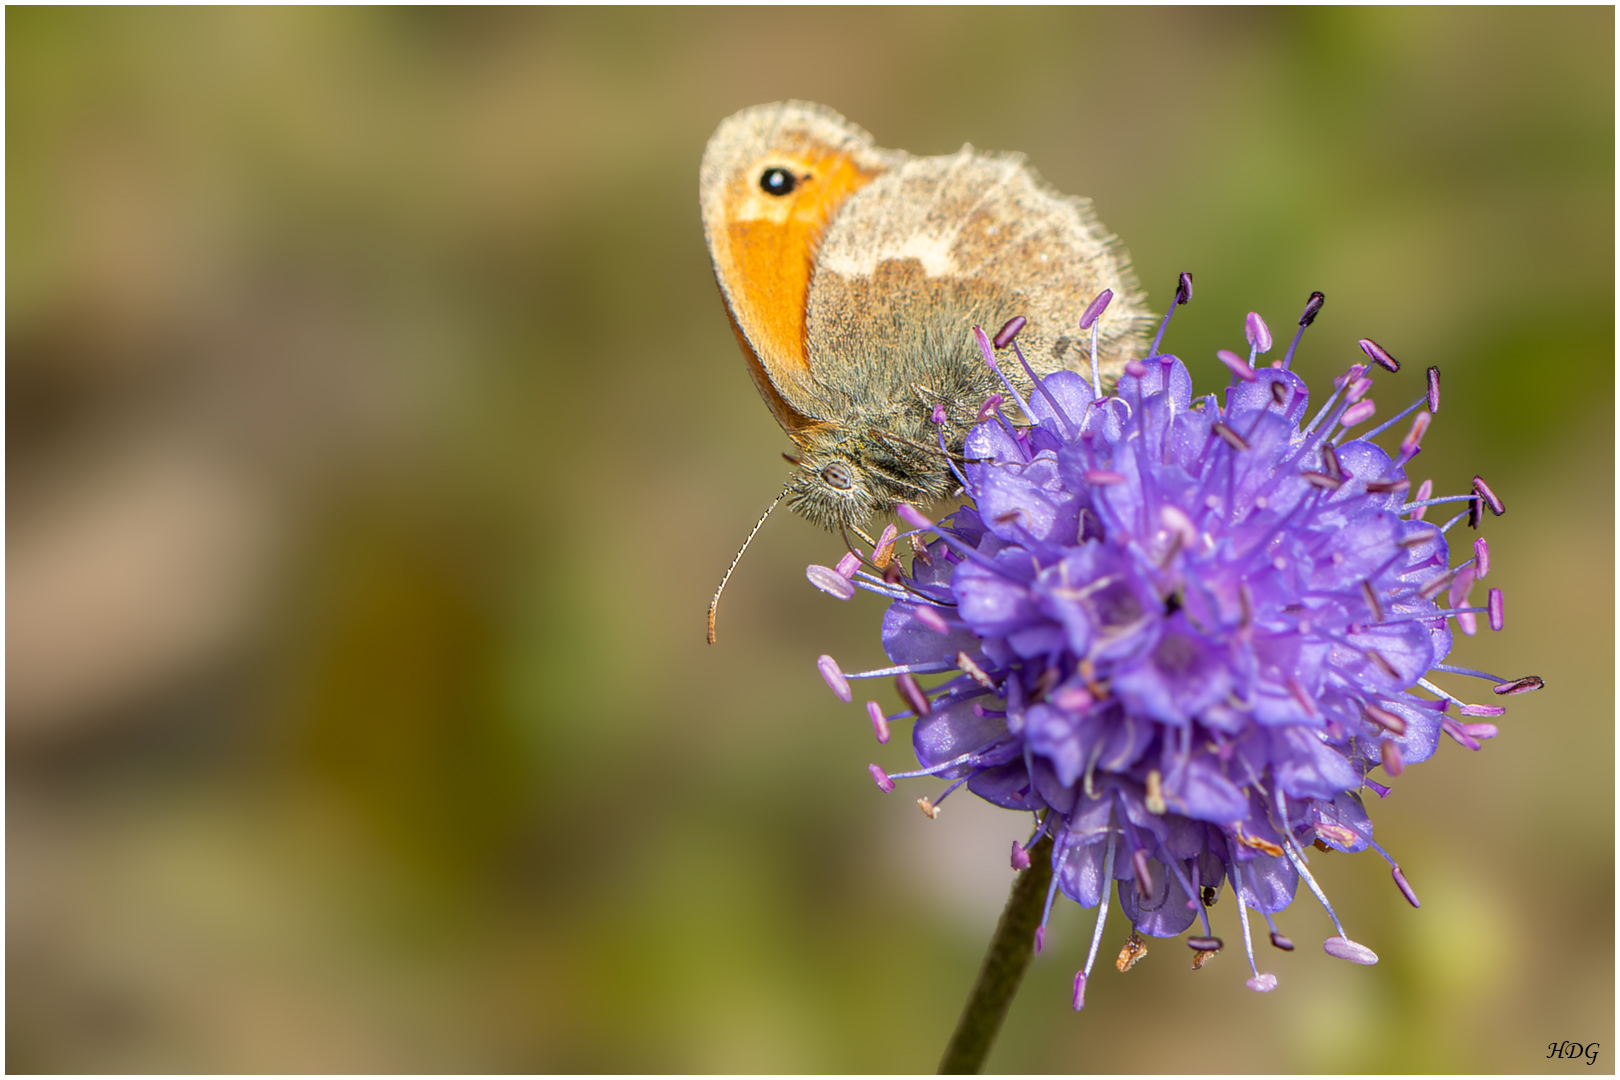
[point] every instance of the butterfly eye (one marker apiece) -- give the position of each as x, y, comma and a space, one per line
837, 475
777, 181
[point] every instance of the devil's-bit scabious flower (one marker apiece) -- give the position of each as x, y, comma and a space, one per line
1183, 633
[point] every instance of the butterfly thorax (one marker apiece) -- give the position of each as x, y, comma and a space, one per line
886, 447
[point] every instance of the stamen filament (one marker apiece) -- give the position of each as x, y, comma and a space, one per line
1107, 885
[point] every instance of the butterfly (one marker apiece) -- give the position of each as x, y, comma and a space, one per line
854, 277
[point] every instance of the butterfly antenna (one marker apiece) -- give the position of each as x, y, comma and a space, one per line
715, 603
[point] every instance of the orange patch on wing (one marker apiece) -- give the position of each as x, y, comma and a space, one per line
793, 422
772, 255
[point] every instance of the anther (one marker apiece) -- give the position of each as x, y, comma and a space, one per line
991, 404
1414, 437
1257, 333
1482, 710
930, 617
1009, 330
1474, 512
965, 662
1404, 886
1519, 686
1373, 605
1424, 490
1378, 355
1205, 944
1105, 478
847, 566
1436, 586
1482, 557
1385, 719
1183, 288
1095, 309
1358, 390
1281, 393
1230, 437
1483, 490
1383, 664
834, 677
1020, 856
1322, 481
1385, 487
1390, 755
1210, 895
1011, 516
1493, 607
885, 546
891, 573
1073, 699
1330, 462
880, 723
1079, 1000
1257, 842
1460, 735
919, 549
1132, 951
1297, 691
912, 694
1360, 411
1238, 366
912, 517
1262, 984
1345, 949
938, 415
1048, 679
881, 778
1281, 942
928, 808
1199, 958
1312, 307
1338, 834
1155, 792
830, 581
1135, 369
1144, 877
1434, 389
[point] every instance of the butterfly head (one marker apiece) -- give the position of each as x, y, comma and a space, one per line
845, 478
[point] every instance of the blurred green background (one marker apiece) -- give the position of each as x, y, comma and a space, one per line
375, 438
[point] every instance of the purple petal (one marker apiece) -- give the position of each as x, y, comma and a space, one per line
1306, 768
1163, 912
910, 639
949, 733
1072, 393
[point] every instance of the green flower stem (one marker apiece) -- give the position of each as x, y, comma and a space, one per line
1011, 950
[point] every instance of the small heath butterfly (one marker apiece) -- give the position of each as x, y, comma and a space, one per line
854, 276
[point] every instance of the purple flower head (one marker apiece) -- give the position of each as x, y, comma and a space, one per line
1183, 632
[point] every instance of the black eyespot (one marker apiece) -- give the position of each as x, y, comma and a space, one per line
837, 475
777, 181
